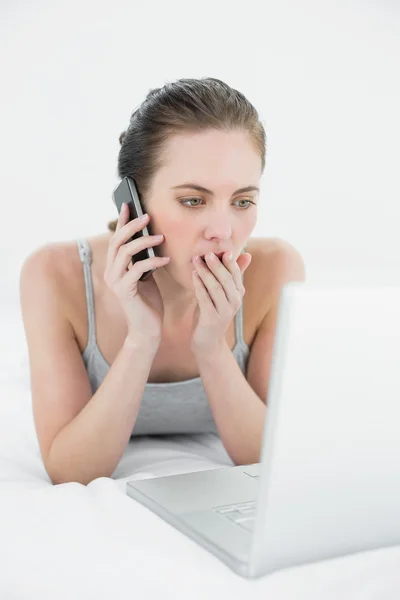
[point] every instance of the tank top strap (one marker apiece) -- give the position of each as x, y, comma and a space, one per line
239, 315
85, 254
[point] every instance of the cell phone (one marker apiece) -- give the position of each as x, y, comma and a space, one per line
126, 191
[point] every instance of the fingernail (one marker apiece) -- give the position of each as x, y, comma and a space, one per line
144, 217
230, 256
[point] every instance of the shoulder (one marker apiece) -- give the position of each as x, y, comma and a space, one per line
55, 259
275, 262
275, 252
54, 266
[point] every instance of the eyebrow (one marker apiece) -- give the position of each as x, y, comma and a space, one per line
194, 186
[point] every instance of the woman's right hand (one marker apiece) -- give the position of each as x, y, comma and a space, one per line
144, 314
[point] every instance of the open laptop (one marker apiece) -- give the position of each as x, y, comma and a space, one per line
328, 481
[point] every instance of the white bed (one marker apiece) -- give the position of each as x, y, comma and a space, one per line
74, 541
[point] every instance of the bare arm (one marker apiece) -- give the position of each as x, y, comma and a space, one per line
92, 444
81, 435
239, 405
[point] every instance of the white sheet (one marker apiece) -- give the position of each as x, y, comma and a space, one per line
73, 541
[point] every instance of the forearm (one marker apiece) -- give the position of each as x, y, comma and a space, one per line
238, 411
92, 444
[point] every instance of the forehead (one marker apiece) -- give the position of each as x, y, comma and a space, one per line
210, 157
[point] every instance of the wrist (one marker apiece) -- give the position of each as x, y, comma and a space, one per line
208, 353
140, 342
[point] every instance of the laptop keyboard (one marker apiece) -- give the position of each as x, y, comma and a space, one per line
242, 514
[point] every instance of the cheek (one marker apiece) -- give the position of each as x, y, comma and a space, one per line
171, 228
176, 234
174, 230
178, 241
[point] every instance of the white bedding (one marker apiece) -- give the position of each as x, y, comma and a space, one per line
74, 541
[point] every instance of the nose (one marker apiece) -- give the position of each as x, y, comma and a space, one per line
219, 225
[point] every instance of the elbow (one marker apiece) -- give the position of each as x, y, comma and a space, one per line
57, 478
249, 456
61, 469
59, 475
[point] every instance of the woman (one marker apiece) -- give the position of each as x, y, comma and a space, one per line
111, 356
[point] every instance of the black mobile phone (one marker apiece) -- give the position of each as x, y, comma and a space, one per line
126, 191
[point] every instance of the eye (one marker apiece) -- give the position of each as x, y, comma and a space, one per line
240, 200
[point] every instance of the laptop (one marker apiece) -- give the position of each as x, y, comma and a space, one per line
328, 480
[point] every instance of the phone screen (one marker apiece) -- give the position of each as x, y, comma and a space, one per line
126, 191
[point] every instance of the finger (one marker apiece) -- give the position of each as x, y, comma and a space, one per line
201, 292
234, 270
228, 278
216, 289
124, 234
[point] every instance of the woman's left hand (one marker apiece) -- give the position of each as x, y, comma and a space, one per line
219, 291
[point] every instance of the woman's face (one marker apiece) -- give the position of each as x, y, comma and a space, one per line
198, 221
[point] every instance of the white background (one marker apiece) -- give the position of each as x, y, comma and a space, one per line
325, 78
323, 75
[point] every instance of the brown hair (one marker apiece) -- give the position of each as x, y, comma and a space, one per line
181, 106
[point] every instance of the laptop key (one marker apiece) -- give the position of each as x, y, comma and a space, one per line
245, 505
247, 524
247, 511
242, 514
225, 509
244, 519
238, 506
233, 516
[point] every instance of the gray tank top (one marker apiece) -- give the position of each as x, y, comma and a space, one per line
166, 408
